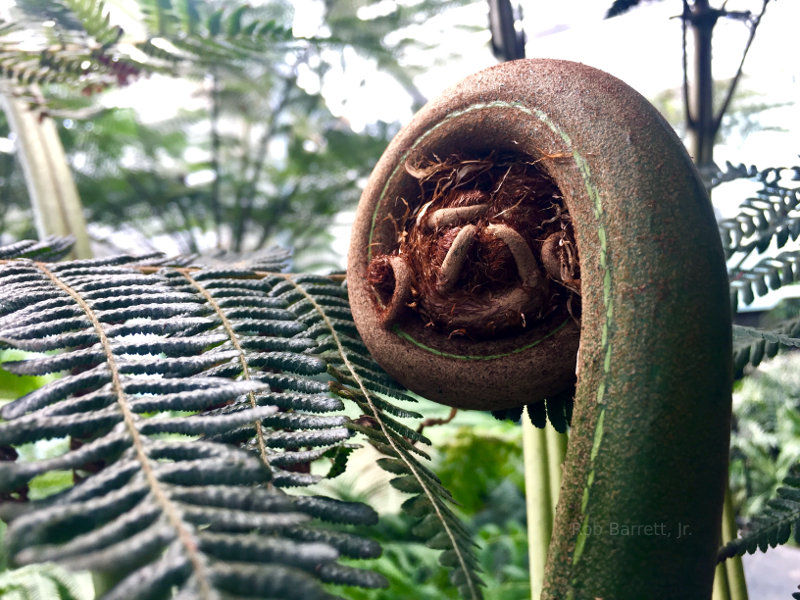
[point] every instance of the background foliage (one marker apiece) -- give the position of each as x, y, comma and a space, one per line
258, 157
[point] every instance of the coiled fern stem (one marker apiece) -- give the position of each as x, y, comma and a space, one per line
553, 148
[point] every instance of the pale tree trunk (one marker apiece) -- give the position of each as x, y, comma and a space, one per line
57, 209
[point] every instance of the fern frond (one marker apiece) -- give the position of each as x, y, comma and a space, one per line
89, 69
159, 369
770, 273
49, 249
313, 298
751, 345
95, 20
770, 215
184, 391
774, 525
223, 36
84, 50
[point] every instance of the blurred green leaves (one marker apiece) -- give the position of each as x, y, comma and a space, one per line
256, 157
44, 581
766, 433
480, 460
478, 463
13, 386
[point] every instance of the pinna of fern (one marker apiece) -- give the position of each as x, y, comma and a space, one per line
766, 222
775, 524
326, 311
769, 218
192, 398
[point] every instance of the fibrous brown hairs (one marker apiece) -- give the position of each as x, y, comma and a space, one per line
487, 248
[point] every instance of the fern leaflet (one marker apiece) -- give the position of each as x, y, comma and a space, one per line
752, 345
775, 524
326, 309
770, 214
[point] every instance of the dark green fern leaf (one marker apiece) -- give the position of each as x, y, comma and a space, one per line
770, 273
770, 215
95, 20
752, 345
199, 382
156, 371
49, 249
775, 524
362, 381
253, 321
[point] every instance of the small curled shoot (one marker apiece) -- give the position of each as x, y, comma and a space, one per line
449, 217
560, 260
455, 258
390, 277
527, 266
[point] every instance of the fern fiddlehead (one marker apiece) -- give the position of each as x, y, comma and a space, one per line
586, 159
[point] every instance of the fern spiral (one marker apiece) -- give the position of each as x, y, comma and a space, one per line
652, 407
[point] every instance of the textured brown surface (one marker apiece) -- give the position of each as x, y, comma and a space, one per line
455, 370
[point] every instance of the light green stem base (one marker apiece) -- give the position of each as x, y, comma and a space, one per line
543, 451
54, 198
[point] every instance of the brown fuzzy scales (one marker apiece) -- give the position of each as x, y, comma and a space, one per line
480, 292
381, 276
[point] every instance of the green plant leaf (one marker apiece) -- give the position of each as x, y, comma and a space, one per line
313, 301
178, 449
774, 524
190, 397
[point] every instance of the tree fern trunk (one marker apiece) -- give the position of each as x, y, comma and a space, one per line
702, 131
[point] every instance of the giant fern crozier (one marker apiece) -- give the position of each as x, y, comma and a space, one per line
192, 397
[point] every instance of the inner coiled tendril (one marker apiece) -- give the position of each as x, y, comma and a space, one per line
486, 249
